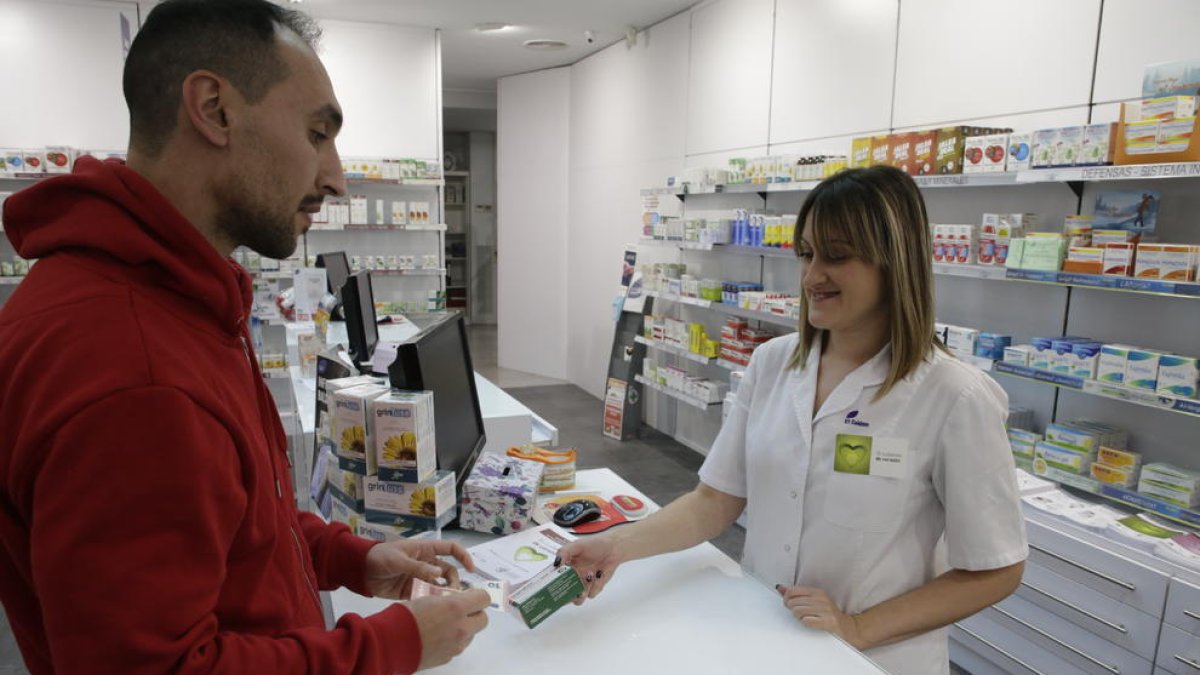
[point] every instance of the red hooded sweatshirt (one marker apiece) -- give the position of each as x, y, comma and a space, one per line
147, 524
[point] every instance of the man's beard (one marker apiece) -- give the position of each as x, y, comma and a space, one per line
253, 224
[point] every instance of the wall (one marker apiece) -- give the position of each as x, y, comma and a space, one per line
532, 164
745, 77
60, 71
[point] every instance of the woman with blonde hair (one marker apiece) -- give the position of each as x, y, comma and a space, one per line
859, 444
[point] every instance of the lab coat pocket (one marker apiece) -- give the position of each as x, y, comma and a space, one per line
865, 503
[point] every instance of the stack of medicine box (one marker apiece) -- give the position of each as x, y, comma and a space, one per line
1148, 370
1072, 448
1166, 262
1172, 484
1068, 355
738, 341
997, 232
387, 484
1159, 125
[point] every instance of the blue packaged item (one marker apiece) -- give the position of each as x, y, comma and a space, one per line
991, 345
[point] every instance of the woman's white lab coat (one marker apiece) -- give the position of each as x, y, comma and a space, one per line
931, 458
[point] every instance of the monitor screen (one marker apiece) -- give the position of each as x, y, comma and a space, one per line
337, 270
438, 359
358, 303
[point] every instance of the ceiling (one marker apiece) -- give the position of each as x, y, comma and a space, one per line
472, 61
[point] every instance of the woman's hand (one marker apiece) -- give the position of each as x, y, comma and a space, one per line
393, 565
814, 608
595, 559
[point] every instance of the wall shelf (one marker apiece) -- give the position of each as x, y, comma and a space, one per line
675, 394
1074, 174
1149, 399
759, 251
1173, 289
678, 351
408, 182
407, 273
11, 281
438, 227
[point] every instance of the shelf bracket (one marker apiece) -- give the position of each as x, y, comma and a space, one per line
1076, 187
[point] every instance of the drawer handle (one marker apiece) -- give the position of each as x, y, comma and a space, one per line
1112, 669
1003, 653
1189, 613
1123, 584
1187, 662
1115, 626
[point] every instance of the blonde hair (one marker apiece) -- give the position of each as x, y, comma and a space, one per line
879, 211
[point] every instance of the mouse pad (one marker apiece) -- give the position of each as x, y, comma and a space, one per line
609, 515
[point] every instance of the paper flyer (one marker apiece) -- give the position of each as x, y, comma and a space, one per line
519, 557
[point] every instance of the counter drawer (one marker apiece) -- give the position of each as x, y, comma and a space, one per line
1117, 577
1178, 652
1002, 650
1183, 606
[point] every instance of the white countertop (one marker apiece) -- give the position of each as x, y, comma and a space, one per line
690, 612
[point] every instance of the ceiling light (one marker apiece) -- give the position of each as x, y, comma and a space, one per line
490, 27
546, 45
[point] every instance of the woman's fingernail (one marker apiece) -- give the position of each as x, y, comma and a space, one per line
599, 573
588, 579
779, 587
557, 561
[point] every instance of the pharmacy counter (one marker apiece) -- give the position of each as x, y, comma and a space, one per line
689, 612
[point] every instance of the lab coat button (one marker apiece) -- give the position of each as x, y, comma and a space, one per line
795, 494
787, 548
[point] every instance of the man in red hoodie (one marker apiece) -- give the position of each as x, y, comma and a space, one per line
147, 524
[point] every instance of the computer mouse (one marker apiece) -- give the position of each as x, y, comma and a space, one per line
576, 512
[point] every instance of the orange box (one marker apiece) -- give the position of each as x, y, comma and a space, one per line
1177, 262
881, 147
900, 151
1149, 261
924, 153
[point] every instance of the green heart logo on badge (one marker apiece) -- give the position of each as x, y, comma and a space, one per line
529, 554
852, 454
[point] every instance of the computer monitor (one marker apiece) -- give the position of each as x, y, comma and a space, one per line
438, 359
337, 270
358, 302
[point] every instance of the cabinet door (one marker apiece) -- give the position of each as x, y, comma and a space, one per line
1183, 606
1077, 646
1117, 577
1178, 652
1109, 619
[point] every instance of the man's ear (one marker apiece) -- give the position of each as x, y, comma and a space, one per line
206, 99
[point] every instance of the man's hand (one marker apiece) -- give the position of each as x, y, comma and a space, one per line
448, 623
814, 609
393, 565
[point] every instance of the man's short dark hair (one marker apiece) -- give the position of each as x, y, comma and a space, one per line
232, 38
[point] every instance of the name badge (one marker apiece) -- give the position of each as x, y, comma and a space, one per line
871, 456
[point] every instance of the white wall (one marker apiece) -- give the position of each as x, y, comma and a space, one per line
532, 172
60, 74
388, 80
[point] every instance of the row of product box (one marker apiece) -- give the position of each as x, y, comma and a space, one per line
1124, 365
739, 340
929, 152
391, 169
680, 335
50, 160
678, 379
338, 212
17, 267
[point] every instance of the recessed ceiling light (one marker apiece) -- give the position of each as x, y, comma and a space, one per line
490, 27
546, 45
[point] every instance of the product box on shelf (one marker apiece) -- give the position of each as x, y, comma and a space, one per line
1084, 260
900, 151
948, 158
399, 213
1020, 151
346, 487
860, 152
1106, 237
1141, 369
1018, 354
60, 159
1069, 146
1141, 138
1165, 108
1149, 261
1062, 457
1178, 375
1111, 365
34, 161
961, 340
1121, 459
1119, 259
14, 162
881, 149
1177, 262
1084, 359
985, 154
1099, 141
923, 153
1143, 141
992, 345
1111, 475
1175, 135
1045, 141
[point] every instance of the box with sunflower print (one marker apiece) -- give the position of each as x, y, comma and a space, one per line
352, 427
403, 436
347, 488
425, 503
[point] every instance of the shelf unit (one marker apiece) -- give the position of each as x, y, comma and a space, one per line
1072, 280
11, 281
725, 308
437, 227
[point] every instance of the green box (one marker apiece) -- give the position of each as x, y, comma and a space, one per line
546, 593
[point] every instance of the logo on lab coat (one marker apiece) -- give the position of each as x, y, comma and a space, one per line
852, 419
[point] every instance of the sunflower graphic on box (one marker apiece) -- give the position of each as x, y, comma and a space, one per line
354, 440
401, 448
423, 502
